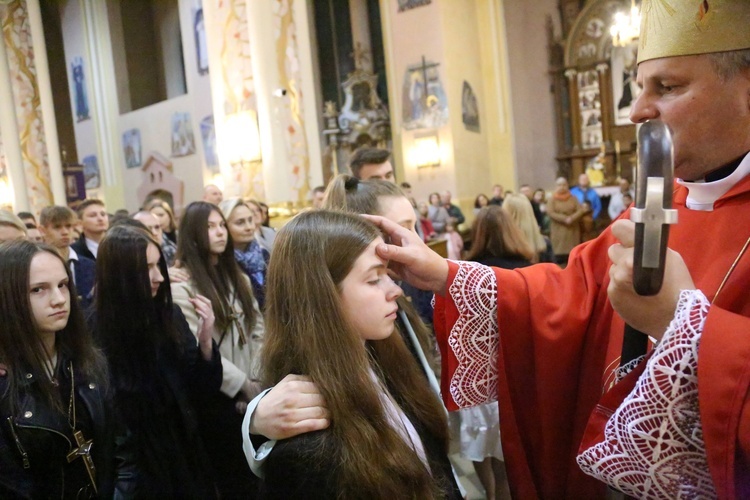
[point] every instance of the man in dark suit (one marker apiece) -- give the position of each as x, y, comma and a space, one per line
95, 222
56, 225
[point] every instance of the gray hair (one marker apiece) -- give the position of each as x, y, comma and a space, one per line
730, 64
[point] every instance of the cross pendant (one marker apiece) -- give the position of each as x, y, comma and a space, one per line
84, 451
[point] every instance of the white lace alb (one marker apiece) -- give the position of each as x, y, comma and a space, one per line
653, 444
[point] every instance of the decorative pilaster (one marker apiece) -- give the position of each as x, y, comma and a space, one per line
233, 93
605, 89
575, 115
292, 108
29, 170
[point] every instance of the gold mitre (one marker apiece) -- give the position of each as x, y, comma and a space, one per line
688, 27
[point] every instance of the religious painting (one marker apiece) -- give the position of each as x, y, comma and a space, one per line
363, 118
201, 48
208, 135
411, 4
75, 184
590, 109
425, 104
71, 187
80, 96
91, 174
469, 108
183, 140
131, 146
624, 87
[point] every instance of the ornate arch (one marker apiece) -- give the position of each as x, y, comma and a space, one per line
589, 41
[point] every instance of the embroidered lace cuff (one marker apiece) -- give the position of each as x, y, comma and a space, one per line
653, 444
474, 338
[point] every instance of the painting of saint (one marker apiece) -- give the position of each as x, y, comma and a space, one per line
201, 48
469, 108
80, 97
131, 145
208, 135
183, 141
91, 173
624, 87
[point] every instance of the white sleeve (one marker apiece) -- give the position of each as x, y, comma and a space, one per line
255, 458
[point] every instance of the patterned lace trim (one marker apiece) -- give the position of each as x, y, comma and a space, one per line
653, 444
474, 338
622, 371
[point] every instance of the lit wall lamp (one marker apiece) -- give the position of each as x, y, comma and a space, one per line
242, 147
243, 137
427, 150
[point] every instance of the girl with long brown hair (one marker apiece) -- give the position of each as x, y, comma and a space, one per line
497, 241
206, 252
333, 320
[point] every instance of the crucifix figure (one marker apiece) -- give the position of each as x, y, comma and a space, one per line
423, 68
84, 451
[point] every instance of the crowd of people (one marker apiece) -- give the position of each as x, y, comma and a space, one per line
146, 355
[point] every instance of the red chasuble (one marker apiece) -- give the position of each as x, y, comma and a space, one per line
544, 342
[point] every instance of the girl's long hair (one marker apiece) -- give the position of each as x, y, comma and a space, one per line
494, 233
307, 333
520, 210
220, 282
21, 347
349, 194
131, 324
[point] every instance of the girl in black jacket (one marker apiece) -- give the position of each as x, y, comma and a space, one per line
54, 433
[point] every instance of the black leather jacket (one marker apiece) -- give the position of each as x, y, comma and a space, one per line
36, 439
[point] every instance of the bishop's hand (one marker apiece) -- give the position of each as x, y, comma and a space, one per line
648, 314
410, 258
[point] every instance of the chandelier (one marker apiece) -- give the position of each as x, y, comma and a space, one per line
627, 27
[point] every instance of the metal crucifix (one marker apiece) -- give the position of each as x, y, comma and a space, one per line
84, 451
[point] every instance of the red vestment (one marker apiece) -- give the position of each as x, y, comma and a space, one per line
559, 341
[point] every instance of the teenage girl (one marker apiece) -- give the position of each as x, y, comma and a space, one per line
206, 253
54, 430
158, 373
252, 258
333, 319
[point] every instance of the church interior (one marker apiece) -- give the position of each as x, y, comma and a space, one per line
268, 99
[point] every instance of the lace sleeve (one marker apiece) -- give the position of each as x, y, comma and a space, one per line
653, 444
474, 337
